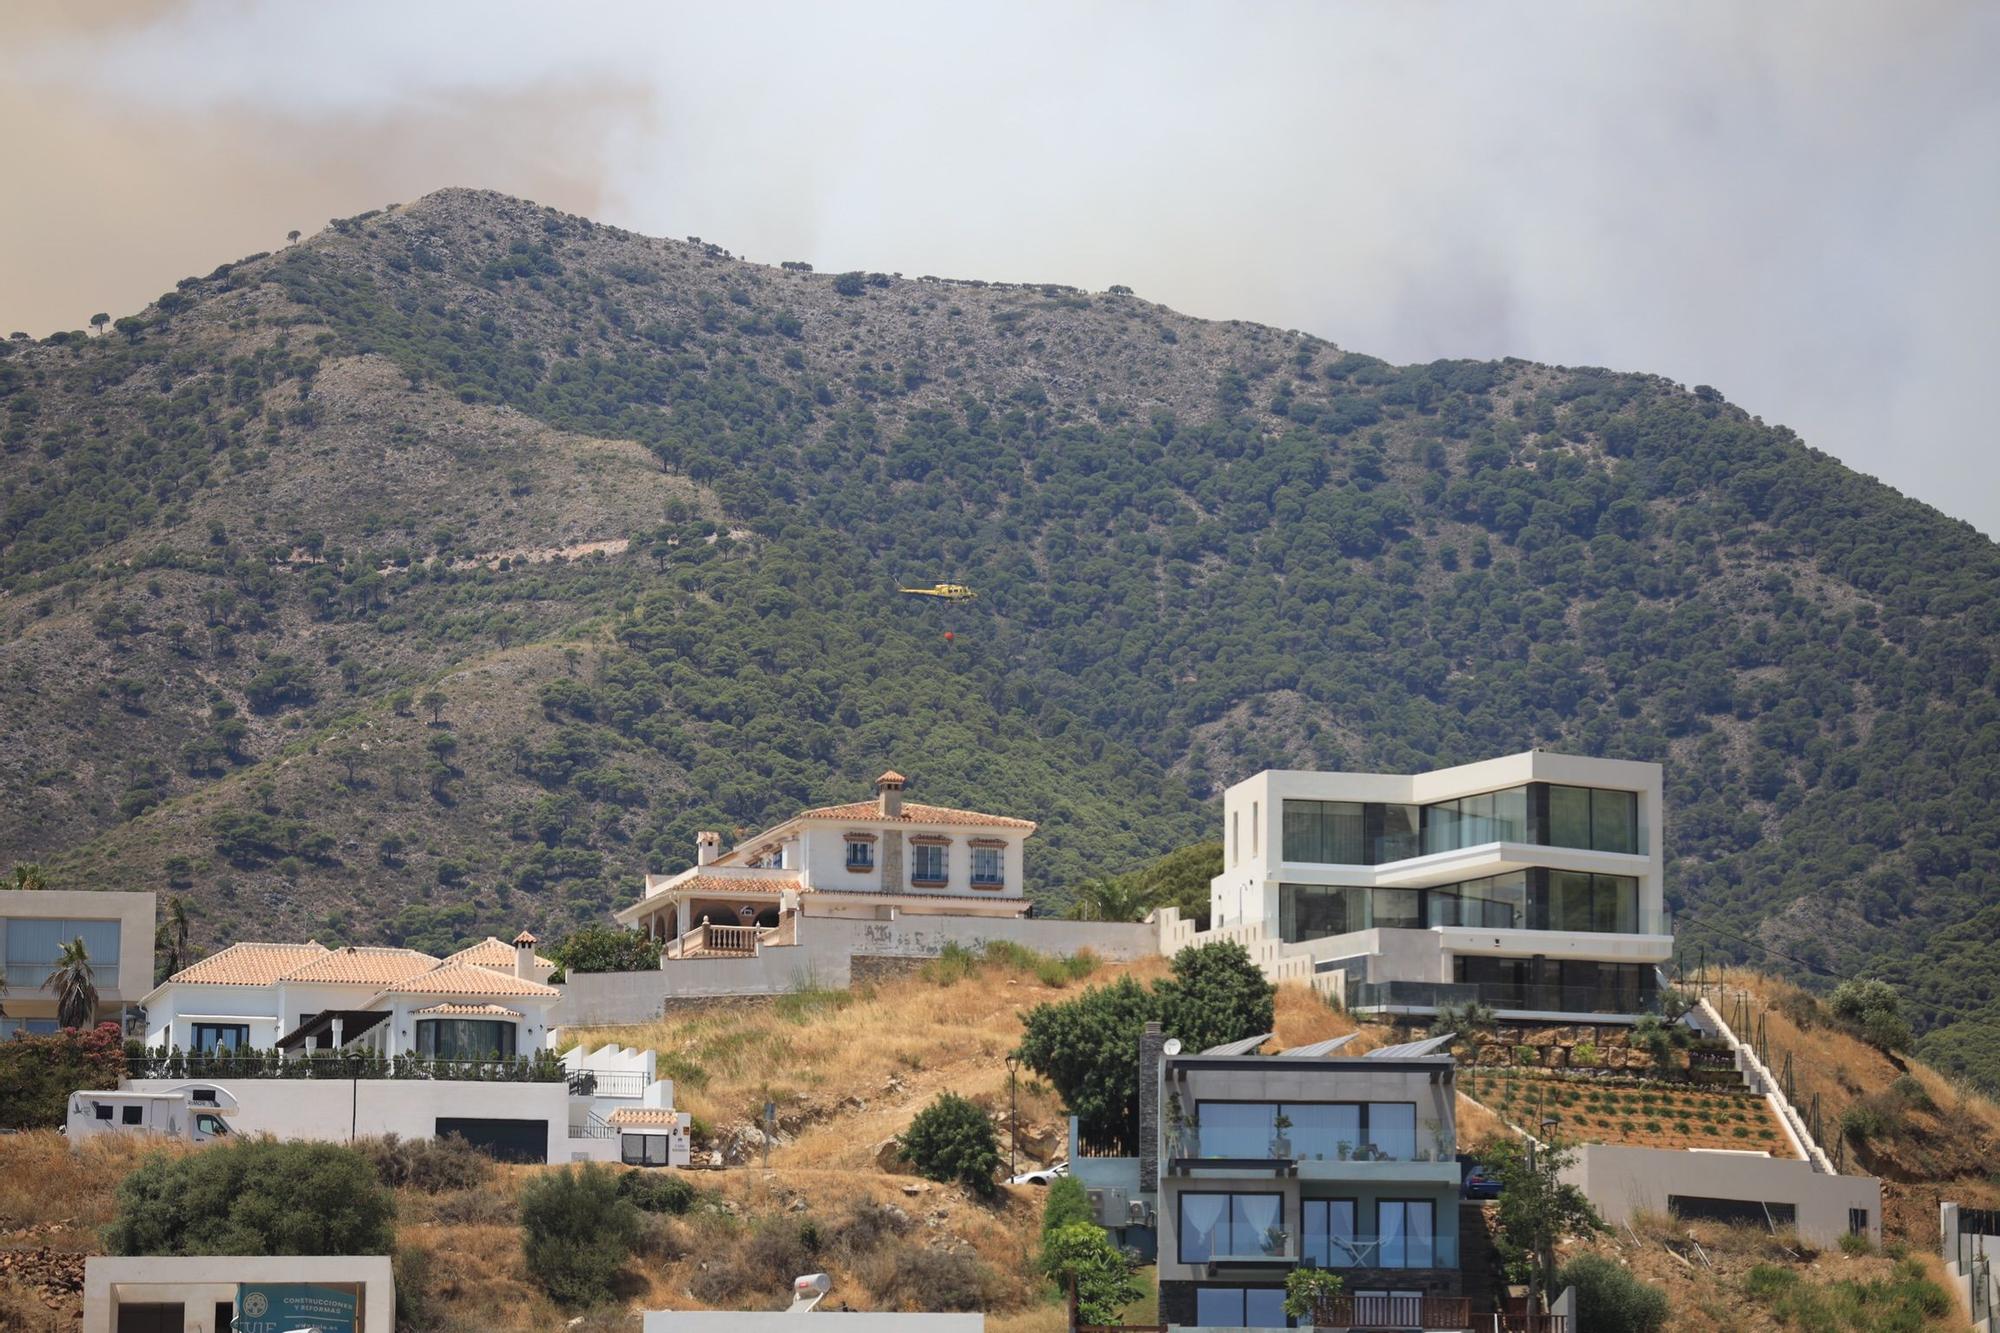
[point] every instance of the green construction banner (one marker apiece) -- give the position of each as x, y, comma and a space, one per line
289, 1307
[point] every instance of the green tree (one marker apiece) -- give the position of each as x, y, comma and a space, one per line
434, 703
1874, 1010
74, 982
171, 939
1216, 995
292, 237
1536, 1208
30, 876
1609, 1299
1088, 1050
579, 1231
1308, 1291
1115, 899
254, 1196
1066, 1203
602, 948
1081, 1252
98, 321
951, 1139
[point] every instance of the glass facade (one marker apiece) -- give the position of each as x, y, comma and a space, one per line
1218, 1225
1560, 985
1240, 1307
1350, 833
1536, 899
1360, 833
1314, 1131
33, 944
1405, 1235
465, 1039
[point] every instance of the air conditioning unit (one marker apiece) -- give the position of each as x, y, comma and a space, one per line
1107, 1207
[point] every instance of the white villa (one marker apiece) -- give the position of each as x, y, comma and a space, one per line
490, 1000
867, 860
1531, 882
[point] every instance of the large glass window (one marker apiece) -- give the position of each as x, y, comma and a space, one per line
1323, 1131
1498, 903
1599, 903
33, 944
1328, 1234
1400, 835
1407, 1230
1471, 821
1594, 818
1574, 985
1326, 832
1314, 911
218, 1036
643, 1149
1392, 1130
1229, 1225
1237, 1129
465, 1039
1240, 1307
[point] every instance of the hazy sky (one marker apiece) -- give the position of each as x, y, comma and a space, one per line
1798, 203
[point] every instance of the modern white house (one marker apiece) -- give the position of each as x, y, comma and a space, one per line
117, 933
294, 997
1532, 883
866, 860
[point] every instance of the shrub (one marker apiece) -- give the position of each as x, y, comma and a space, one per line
38, 1074
254, 1197
1609, 1299
1067, 1203
415, 1307
953, 964
658, 1192
923, 1279
1872, 1009
432, 1166
1083, 1252
579, 1233
601, 948
951, 1139
1856, 1242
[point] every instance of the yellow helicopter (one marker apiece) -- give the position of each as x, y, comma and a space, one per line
950, 592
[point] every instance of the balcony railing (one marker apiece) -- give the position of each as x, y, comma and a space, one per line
1393, 1312
1497, 995
606, 1083
1190, 1148
164, 1063
1371, 1251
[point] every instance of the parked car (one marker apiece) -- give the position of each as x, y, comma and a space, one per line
1474, 1182
1041, 1176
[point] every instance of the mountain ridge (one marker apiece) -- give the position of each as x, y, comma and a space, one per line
240, 526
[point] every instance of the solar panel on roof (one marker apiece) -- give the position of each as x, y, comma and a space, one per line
1316, 1049
1410, 1049
1244, 1047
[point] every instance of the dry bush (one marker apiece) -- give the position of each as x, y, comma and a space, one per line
910, 1278
429, 1166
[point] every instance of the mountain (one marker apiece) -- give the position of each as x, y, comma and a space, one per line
635, 511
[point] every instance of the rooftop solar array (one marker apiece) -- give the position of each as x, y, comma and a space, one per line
1244, 1047
1411, 1049
1316, 1049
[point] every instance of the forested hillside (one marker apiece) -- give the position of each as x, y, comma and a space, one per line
445, 571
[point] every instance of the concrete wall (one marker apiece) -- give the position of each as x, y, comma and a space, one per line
823, 957
341, 1109
1961, 1251
200, 1282
829, 1321
1623, 1181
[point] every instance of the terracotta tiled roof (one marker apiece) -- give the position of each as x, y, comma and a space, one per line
491, 952
249, 964
465, 979
467, 1011
643, 1115
893, 776
720, 881
914, 813
370, 966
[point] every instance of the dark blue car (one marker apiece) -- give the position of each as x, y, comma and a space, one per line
1475, 1183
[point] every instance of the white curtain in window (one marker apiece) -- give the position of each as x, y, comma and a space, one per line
1254, 1217
1202, 1216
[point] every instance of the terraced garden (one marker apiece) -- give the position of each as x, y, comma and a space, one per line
1639, 1112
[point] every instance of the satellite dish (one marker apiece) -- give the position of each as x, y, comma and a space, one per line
1173, 1046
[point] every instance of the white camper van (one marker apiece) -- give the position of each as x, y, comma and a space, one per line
193, 1115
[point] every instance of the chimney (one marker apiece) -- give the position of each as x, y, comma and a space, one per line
524, 957
707, 846
1151, 1049
889, 794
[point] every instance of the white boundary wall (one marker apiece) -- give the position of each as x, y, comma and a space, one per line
824, 956
830, 1321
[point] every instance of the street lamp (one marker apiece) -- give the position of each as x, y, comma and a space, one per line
1013, 1116
1543, 1273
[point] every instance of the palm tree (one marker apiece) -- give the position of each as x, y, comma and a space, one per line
75, 986
177, 934
28, 875
1108, 900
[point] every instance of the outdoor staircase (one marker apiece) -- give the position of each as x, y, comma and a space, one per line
1478, 1262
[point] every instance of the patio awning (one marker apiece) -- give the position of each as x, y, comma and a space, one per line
353, 1022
